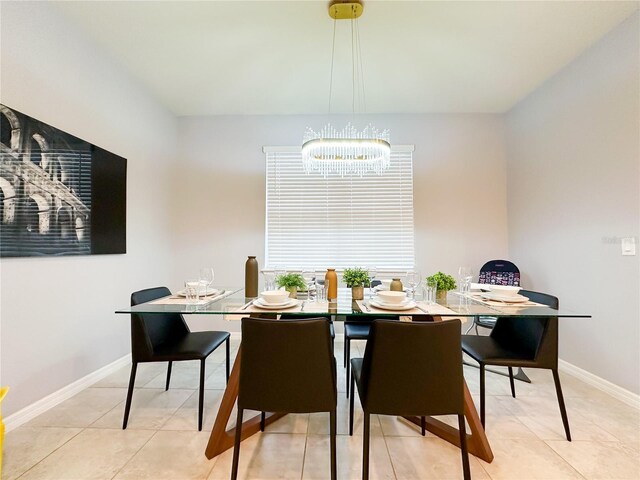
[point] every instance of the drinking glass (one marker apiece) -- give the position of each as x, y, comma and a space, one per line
321, 291
465, 275
192, 291
372, 272
269, 279
308, 276
206, 279
278, 271
413, 280
431, 289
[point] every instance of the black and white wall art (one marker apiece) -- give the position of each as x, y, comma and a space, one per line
59, 195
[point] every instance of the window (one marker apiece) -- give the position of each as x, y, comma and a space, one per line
316, 222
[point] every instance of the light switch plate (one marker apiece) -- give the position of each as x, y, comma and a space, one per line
628, 246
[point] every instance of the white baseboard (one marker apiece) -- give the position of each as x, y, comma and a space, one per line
612, 389
30, 412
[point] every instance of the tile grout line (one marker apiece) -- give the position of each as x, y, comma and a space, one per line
136, 453
82, 429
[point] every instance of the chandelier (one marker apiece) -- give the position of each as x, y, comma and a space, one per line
347, 151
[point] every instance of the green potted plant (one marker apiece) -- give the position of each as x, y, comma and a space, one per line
356, 278
291, 282
443, 282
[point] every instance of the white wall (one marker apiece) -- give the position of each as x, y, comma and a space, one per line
460, 192
573, 188
56, 314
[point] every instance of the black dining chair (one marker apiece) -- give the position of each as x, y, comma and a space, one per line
520, 342
287, 366
410, 369
495, 272
165, 337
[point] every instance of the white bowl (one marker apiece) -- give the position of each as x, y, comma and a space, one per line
385, 284
274, 296
505, 289
392, 296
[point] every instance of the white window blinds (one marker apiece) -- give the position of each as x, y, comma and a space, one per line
316, 222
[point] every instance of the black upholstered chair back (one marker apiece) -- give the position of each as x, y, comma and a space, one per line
148, 331
413, 368
287, 366
499, 272
533, 338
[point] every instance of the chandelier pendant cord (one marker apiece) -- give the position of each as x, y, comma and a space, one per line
333, 54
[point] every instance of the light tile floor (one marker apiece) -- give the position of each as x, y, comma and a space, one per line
82, 437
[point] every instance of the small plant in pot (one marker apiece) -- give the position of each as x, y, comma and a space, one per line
291, 282
356, 278
444, 283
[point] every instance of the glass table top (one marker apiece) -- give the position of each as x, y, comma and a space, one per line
232, 301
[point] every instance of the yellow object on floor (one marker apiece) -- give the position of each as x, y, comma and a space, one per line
3, 392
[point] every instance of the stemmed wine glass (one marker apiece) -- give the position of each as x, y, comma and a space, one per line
372, 272
308, 276
465, 275
206, 279
413, 279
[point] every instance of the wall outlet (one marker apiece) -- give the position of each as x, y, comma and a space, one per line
628, 246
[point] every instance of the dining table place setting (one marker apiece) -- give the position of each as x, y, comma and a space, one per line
390, 301
499, 296
205, 297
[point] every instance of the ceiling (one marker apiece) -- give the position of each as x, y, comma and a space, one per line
265, 57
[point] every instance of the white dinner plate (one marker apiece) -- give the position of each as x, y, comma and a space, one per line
210, 291
394, 306
505, 298
270, 306
379, 299
262, 301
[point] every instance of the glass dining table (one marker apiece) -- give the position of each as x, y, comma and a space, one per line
232, 304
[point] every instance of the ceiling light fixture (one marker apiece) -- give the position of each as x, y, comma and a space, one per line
348, 151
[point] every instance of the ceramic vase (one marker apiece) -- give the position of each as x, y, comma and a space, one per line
331, 284
251, 277
396, 285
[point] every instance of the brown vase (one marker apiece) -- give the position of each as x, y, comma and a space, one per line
331, 284
441, 296
357, 293
251, 277
293, 292
396, 285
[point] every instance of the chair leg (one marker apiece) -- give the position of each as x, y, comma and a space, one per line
332, 439
201, 396
463, 448
228, 348
513, 386
127, 407
482, 394
236, 445
423, 425
344, 351
263, 417
365, 448
347, 353
563, 409
351, 404
166, 387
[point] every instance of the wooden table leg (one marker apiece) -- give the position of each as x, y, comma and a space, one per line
477, 441
222, 439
